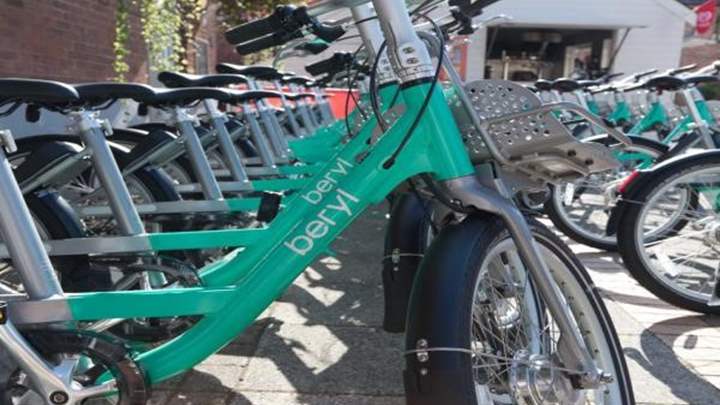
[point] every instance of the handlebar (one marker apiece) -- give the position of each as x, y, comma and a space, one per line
262, 27
610, 76
283, 25
313, 47
339, 61
681, 69
637, 76
469, 8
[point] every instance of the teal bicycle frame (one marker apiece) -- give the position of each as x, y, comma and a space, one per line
239, 287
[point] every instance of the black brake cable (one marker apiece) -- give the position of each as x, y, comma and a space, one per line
351, 85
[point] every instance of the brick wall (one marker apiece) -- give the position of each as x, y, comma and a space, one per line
71, 40
702, 55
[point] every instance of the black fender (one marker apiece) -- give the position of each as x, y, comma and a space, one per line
405, 241
41, 157
630, 194
436, 290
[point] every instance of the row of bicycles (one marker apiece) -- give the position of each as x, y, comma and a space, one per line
131, 254
658, 209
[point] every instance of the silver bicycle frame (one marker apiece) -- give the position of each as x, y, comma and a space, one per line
35, 270
108, 172
196, 154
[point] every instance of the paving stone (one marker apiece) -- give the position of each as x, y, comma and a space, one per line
659, 377
198, 398
320, 344
359, 304
274, 398
325, 360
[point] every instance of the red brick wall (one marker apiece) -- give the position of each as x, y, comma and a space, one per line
59, 39
702, 55
71, 40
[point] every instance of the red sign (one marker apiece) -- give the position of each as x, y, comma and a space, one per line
706, 14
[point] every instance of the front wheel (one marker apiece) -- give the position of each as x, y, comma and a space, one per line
480, 333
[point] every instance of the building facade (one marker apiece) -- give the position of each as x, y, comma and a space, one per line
72, 40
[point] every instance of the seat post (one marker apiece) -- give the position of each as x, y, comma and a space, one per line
272, 127
108, 172
289, 112
184, 122
302, 110
218, 120
258, 137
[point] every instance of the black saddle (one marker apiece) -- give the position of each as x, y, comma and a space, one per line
543, 85
565, 85
299, 80
99, 93
238, 96
34, 91
665, 83
187, 95
258, 72
175, 80
590, 83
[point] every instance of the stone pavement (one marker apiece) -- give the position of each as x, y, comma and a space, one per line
322, 342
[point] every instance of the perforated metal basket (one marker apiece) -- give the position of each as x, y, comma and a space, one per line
511, 125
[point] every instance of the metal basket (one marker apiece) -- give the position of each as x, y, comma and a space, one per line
512, 126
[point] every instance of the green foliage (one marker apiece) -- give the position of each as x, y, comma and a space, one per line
236, 12
168, 30
122, 34
161, 32
711, 91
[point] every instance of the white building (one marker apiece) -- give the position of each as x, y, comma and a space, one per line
552, 38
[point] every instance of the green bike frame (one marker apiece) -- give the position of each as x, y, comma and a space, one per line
239, 287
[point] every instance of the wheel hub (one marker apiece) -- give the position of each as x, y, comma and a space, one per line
536, 380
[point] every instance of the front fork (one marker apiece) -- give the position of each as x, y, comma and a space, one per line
573, 352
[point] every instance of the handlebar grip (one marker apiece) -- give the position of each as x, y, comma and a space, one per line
314, 47
611, 76
334, 63
260, 44
681, 69
328, 33
259, 28
640, 75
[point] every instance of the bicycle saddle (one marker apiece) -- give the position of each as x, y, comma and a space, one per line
176, 79
543, 85
36, 91
239, 96
665, 83
296, 96
590, 83
699, 79
258, 72
300, 80
565, 85
98, 93
187, 95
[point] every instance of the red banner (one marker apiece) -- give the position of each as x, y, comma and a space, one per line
706, 14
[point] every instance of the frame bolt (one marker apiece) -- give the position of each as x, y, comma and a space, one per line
59, 397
